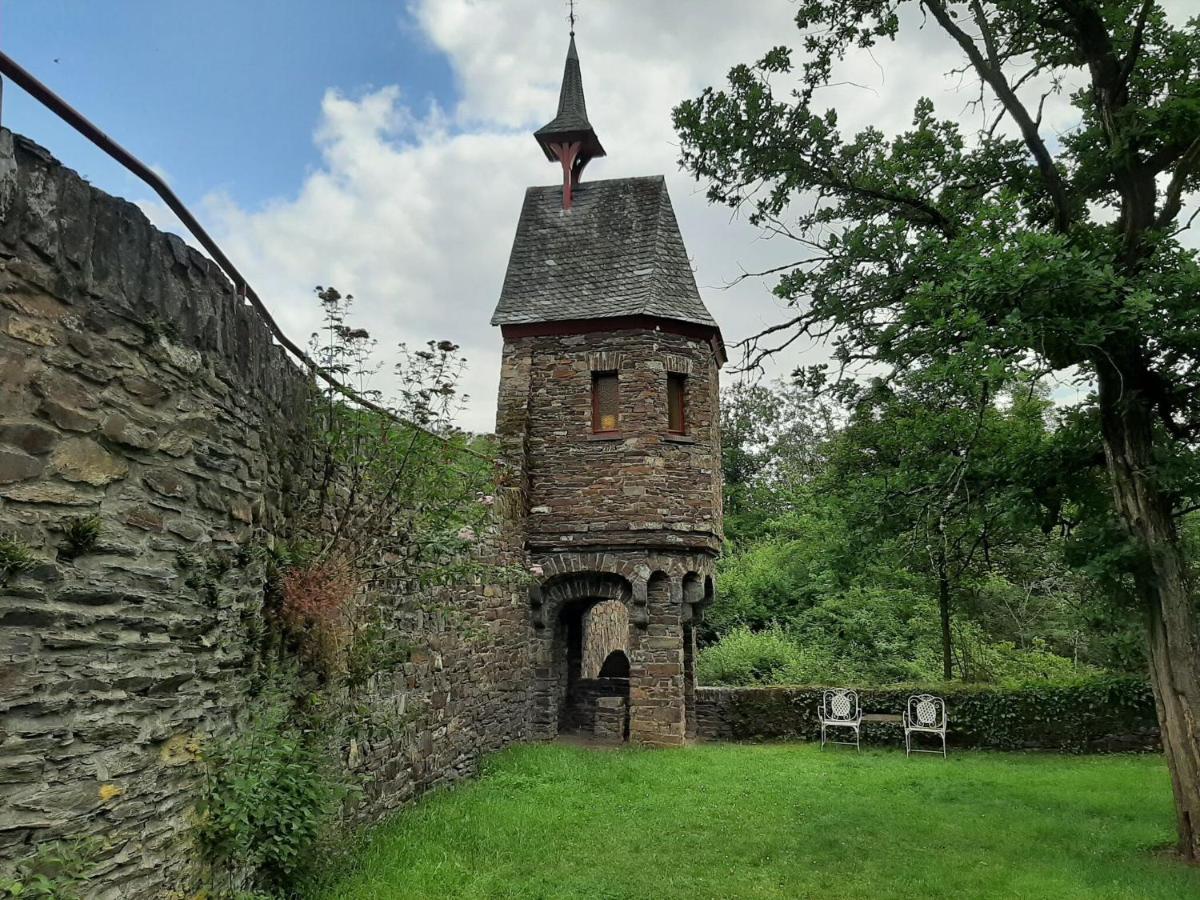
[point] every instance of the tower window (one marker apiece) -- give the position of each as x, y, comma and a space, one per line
676, 403
606, 402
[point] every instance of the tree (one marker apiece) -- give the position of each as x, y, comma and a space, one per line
1007, 248
772, 438
936, 473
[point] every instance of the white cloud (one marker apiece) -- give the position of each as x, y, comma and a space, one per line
413, 211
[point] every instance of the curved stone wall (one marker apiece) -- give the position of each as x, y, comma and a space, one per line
137, 389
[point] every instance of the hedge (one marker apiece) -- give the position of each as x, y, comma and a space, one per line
1090, 715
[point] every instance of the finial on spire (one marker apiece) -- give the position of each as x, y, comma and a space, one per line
571, 16
569, 138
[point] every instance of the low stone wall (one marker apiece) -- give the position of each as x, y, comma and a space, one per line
140, 393
580, 714
1096, 715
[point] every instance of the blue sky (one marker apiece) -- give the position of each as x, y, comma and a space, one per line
222, 95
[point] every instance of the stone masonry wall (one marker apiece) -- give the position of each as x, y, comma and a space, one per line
137, 388
642, 487
633, 517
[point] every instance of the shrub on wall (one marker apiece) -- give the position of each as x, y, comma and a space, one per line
1096, 713
270, 796
392, 512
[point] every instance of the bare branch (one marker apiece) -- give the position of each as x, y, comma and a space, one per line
989, 70
1173, 201
1135, 46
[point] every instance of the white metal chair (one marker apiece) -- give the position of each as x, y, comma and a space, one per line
925, 714
839, 709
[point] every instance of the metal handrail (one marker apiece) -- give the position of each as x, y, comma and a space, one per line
56, 104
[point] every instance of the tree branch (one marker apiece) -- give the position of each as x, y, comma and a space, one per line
989, 70
1135, 45
1173, 201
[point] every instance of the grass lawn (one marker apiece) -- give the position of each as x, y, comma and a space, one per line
782, 820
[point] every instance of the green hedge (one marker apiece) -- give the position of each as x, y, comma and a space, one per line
1090, 715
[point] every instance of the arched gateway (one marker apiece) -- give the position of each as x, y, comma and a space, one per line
608, 424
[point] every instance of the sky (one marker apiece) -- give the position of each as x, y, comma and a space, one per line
384, 146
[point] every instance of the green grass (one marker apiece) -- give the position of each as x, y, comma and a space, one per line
782, 821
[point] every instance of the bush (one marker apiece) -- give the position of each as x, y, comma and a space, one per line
868, 636
745, 657
268, 799
1087, 714
56, 871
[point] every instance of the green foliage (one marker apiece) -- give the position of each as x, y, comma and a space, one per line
15, 557
56, 871
399, 505
912, 487
204, 573
270, 795
1094, 713
772, 443
376, 648
982, 257
154, 328
80, 536
745, 657
869, 637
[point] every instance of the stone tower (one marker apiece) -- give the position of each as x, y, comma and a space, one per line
608, 424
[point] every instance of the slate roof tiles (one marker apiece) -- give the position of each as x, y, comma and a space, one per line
617, 252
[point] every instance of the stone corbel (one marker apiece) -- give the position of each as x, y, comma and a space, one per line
675, 591
640, 613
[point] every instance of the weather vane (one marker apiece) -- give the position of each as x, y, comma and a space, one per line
571, 16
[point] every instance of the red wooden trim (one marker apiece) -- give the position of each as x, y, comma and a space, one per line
566, 154
692, 330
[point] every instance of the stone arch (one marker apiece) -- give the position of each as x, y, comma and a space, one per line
564, 696
546, 599
658, 584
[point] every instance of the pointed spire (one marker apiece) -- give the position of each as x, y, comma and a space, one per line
569, 138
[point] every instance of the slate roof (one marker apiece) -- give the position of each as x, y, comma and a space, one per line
571, 123
617, 252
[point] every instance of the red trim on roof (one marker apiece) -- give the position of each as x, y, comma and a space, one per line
693, 330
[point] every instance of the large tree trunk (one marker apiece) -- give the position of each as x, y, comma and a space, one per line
1163, 587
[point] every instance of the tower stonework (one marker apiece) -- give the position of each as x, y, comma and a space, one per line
609, 432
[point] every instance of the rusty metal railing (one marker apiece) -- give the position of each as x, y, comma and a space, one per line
57, 105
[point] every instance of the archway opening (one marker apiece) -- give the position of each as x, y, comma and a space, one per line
589, 625
616, 665
595, 696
